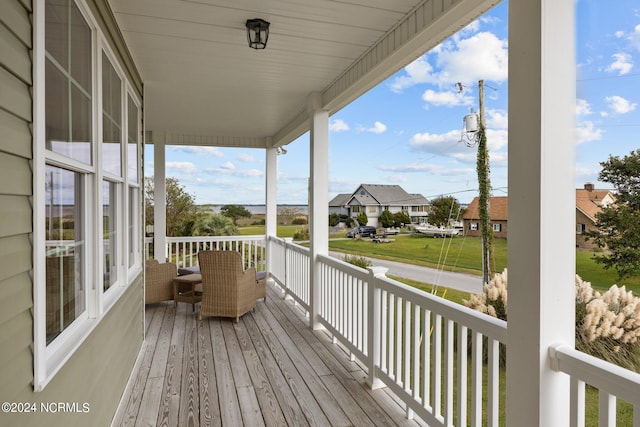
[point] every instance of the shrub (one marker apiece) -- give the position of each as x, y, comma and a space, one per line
357, 260
607, 325
299, 221
301, 234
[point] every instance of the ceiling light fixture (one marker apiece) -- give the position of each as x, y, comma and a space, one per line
257, 33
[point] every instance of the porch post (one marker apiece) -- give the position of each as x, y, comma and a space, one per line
159, 199
541, 235
271, 214
318, 199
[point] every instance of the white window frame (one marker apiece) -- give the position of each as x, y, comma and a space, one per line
473, 226
49, 359
497, 227
137, 244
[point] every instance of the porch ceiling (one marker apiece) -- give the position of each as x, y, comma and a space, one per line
204, 85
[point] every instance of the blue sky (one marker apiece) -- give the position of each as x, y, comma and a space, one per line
407, 130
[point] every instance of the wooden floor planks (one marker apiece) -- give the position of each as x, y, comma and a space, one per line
270, 369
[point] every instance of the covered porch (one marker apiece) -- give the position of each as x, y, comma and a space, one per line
407, 342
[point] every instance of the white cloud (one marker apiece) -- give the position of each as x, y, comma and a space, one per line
434, 143
338, 125
212, 151
378, 128
419, 71
247, 158
634, 38
449, 99
619, 34
497, 119
185, 167
582, 107
480, 56
622, 64
620, 105
586, 131
228, 166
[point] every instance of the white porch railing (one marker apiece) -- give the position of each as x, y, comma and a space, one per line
183, 251
412, 342
612, 382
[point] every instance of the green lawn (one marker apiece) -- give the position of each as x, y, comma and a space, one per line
464, 254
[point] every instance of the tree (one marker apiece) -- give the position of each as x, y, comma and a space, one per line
362, 218
180, 207
443, 209
334, 219
618, 225
386, 219
401, 218
235, 212
214, 225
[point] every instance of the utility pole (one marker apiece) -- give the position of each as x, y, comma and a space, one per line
484, 192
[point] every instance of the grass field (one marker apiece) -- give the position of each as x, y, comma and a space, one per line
462, 254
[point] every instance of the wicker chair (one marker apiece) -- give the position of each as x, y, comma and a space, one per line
227, 289
158, 281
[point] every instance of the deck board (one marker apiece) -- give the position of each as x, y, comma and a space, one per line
269, 369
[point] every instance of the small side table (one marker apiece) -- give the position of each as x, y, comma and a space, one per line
187, 289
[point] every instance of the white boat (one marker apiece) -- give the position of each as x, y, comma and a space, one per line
432, 230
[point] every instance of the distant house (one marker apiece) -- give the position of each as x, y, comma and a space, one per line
373, 199
498, 213
338, 204
589, 202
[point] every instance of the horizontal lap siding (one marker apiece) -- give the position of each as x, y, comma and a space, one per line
16, 296
98, 370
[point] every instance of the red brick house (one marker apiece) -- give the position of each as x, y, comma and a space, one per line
498, 214
589, 202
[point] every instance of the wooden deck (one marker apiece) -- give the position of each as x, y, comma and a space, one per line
268, 369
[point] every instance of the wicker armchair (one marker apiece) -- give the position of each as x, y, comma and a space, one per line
227, 289
158, 281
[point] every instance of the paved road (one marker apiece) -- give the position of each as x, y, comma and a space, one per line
460, 281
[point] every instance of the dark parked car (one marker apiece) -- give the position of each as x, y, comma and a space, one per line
363, 231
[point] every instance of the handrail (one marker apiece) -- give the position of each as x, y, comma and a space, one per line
601, 374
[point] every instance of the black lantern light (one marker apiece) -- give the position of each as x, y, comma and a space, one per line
257, 33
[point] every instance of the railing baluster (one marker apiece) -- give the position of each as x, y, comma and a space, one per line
607, 409
448, 381
462, 375
437, 365
426, 359
577, 404
476, 379
493, 369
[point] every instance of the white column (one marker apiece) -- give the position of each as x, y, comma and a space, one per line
159, 199
318, 198
541, 236
271, 202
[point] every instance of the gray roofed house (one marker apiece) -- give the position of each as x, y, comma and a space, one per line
338, 204
373, 199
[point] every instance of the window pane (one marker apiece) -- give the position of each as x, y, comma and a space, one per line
68, 81
132, 141
109, 236
65, 250
57, 28
80, 43
133, 225
111, 118
57, 110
